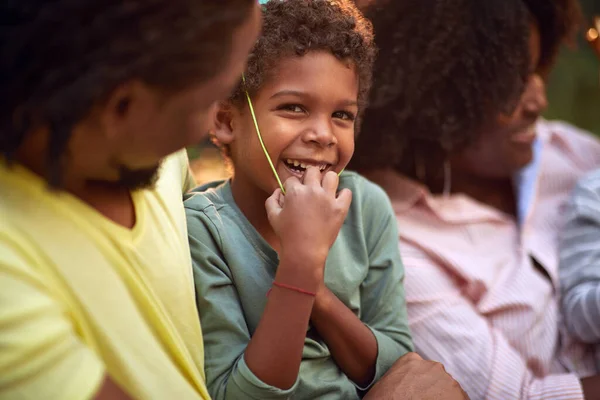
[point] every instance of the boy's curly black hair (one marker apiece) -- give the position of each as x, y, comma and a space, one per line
295, 27
60, 58
446, 70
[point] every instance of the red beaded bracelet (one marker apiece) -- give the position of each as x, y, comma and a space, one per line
293, 288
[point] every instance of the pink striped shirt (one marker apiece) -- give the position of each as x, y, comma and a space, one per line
476, 302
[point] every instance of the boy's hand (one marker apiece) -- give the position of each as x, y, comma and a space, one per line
308, 219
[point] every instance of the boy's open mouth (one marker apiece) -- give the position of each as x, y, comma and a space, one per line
298, 167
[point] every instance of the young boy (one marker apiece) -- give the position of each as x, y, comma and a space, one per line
305, 298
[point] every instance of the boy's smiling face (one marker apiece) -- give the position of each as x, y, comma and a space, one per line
305, 112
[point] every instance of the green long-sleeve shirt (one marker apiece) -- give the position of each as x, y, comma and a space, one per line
234, 268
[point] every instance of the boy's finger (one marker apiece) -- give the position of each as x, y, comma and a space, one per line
273, 204
280, 198
291, 182
331, 182
344, 199
312, 176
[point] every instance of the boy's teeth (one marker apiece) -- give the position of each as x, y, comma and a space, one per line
303, 165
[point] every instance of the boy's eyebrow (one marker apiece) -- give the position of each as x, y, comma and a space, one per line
288, 93
346, 103
350, 103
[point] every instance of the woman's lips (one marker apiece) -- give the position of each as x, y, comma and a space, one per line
525, 137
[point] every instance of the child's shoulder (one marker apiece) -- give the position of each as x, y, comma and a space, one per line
207, 209
364, 191
209, 195
371, 212
370, 207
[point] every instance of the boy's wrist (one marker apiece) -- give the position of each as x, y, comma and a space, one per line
323, 302
305, 258
302, 272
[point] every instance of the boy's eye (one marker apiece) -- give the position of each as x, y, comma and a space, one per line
344, 115
295, 108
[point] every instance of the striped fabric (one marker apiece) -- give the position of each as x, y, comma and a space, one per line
580, 262
476, 300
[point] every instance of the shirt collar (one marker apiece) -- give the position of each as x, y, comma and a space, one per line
406, 193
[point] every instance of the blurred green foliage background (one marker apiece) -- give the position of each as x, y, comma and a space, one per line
574, 85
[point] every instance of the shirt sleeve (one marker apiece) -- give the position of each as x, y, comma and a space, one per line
224, 328
41, 356
580, 262
447, 328
383, 303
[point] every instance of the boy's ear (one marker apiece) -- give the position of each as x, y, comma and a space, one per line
224, 123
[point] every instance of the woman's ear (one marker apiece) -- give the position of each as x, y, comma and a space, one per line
225, 123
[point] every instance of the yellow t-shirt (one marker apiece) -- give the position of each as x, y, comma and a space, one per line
81, 296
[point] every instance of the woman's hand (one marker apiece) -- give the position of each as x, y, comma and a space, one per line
414, 378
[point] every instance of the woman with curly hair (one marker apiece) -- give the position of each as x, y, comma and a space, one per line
478, 181
303, 299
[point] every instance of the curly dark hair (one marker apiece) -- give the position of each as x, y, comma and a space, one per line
60, 58
295, 27
558, 22
446, 69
